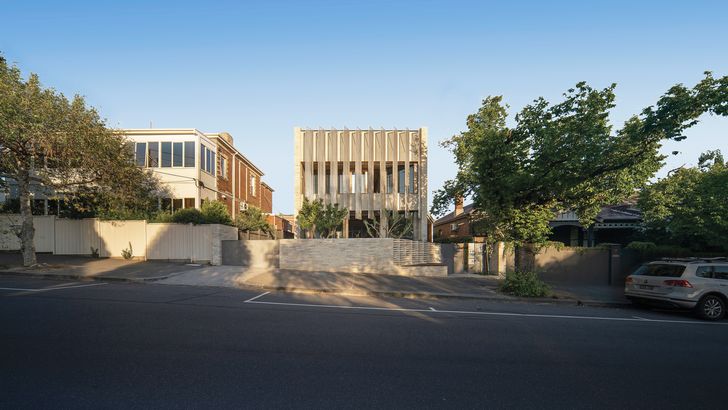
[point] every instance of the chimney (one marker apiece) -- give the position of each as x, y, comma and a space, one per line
458, 205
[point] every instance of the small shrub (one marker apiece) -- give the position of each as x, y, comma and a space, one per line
161, 217
188, 216
526, 284
642, 247
94, 252
216, 212
128, 253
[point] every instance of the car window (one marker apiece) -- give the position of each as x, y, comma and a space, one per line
657, 269
720, 272
704, 272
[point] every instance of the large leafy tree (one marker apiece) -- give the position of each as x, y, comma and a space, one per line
689, 207
564, 156
58, 146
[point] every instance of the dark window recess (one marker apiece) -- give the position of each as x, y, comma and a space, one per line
189, 154
153, 153
189, 202
177, 154
141, 154
52, 207
166, 154
38, 207
177, 204
167, 204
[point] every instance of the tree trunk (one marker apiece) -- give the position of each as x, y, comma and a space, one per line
526, 257
27, 231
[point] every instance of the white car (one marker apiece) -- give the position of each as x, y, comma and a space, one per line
694, 283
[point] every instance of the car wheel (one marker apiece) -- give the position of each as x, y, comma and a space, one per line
711, 307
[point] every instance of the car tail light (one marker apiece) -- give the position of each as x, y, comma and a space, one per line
681, 283
628, 280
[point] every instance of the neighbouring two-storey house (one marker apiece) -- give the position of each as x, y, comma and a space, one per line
197, 166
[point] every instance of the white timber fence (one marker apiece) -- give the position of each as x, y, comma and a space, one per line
147, 241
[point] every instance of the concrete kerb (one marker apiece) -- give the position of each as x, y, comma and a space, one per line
434, 295
49, 275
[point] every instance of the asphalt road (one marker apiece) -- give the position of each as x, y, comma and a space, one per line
67, 344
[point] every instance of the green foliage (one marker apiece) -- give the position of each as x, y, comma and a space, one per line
128, 253
689, 208
642, 247
564, 156
525, 284
319, 219
94, 252
160, 217
215, 212
253, 219
188, 216
330, 219
397, 225
63, 147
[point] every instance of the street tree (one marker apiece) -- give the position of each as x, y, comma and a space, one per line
564, 156
689, 207
53, 145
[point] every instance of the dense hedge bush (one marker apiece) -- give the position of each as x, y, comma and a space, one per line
525, 284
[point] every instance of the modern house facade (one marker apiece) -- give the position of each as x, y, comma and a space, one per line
370, 172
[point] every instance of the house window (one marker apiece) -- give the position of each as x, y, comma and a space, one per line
223, 167
213, 169
454, 227
140, 154
202, 157
166, 204
176, 204
166, 154
177, 154
400, 179
390, 182
253, 184
189, 154
153, 154
190, 202
208, 160
412, 180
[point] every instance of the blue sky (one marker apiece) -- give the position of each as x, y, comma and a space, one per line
257, 70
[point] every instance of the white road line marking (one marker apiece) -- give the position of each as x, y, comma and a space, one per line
465, 312
432, 309
54, 288
256, 297
640, 318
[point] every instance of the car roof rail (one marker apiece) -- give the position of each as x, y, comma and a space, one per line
696, 259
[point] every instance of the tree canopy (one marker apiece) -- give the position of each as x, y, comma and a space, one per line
565, 156
56, 146
319, 219
253, 219
689, 207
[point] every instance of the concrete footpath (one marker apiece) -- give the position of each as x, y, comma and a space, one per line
360, 284
83, 267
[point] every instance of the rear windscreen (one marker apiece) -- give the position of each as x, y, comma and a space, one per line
673, 271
